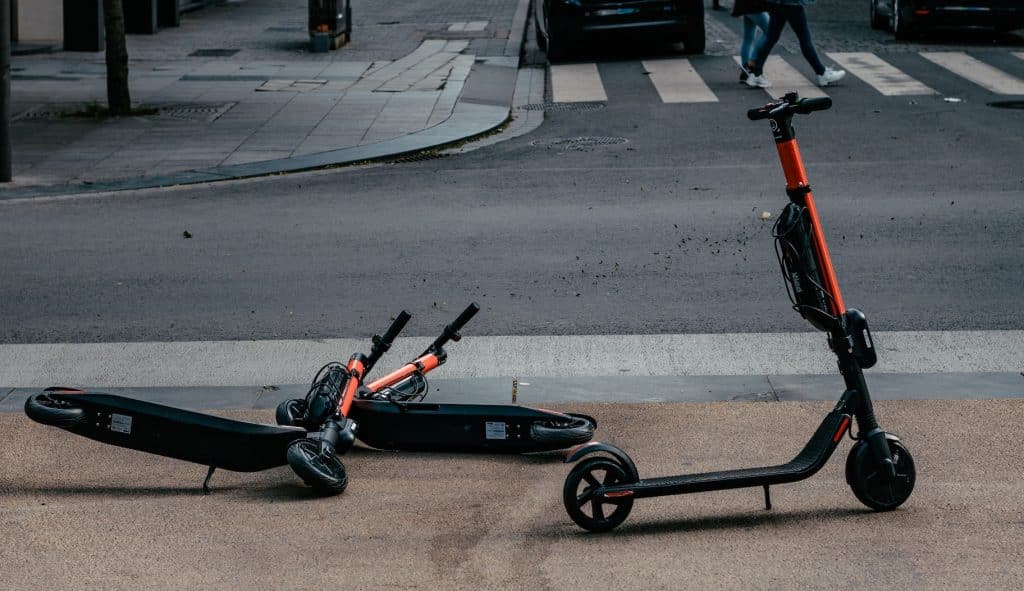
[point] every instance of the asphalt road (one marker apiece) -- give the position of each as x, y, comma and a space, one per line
78, 514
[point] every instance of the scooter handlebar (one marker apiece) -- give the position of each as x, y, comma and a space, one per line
789, 104
451, 332
396, 327
381, 344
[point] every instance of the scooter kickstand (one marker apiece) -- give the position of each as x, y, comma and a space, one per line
206, 483
767, 499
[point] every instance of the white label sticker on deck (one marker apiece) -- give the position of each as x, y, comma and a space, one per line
121, 423
496, 430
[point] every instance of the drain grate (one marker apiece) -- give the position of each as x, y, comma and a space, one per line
589, 106
217, 52
206, 113
199, 112
578, 143
1007, 104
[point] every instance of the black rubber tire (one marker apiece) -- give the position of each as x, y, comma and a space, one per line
578, 429
900, 28
326, 475
693, 33
542, 41
290, 412
575, 499
862, 476
876, 20
42, 408
554, 51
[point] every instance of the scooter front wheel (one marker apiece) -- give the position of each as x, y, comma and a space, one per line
290, 412
324, 473
865, 478
587, 509
564, 432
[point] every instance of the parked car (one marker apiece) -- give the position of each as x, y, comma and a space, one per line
562, 24
907, 17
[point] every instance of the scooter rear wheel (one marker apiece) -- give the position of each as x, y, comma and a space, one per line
564, 432
864, 477
583, 507
325, 474
47, 410
290, 412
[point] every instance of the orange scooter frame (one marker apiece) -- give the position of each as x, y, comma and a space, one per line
390, 414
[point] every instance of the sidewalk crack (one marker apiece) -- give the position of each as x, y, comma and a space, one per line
5, 396
774, 394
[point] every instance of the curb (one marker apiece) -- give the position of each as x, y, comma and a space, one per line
480, 108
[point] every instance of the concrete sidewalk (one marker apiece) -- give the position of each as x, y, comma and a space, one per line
239, 93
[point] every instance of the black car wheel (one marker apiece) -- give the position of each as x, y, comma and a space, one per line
542, 40
693, 37
877, 22
901, 28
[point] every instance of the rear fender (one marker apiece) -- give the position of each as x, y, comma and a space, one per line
596, 447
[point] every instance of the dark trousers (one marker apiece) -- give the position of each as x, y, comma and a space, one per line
796, 16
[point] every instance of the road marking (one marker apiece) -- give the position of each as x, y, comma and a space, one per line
473, 26
248, 363
785, 78
879, 74
677, 82
977, 71
576, 83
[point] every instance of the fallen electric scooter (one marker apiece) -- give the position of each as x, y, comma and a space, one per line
599, 491
391, 415
216, 442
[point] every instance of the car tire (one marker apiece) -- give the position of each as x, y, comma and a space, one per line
877, 21
693, 36
553, 48
901, 29
542, 40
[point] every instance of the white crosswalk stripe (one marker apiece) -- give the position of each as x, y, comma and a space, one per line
786, 78
977, 71
677, 82
576, 83
879, 74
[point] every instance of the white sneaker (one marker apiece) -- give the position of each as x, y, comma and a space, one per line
755, 81
830, 76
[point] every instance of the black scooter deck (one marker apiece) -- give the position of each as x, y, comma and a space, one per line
167, 431
486, 428
813, 456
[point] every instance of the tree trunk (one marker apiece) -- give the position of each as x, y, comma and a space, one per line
119, 100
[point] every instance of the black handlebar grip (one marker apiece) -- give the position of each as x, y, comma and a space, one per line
463, 318
757, 113
809, 105
396, 327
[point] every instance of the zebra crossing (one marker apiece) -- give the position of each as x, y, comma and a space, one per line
679, 80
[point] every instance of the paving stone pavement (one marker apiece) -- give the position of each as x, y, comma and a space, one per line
237, 83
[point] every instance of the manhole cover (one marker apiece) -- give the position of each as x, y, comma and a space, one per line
213, 52
592, 106
578, 143
1007, 104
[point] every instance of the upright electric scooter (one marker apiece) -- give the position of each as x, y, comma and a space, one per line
600, 490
